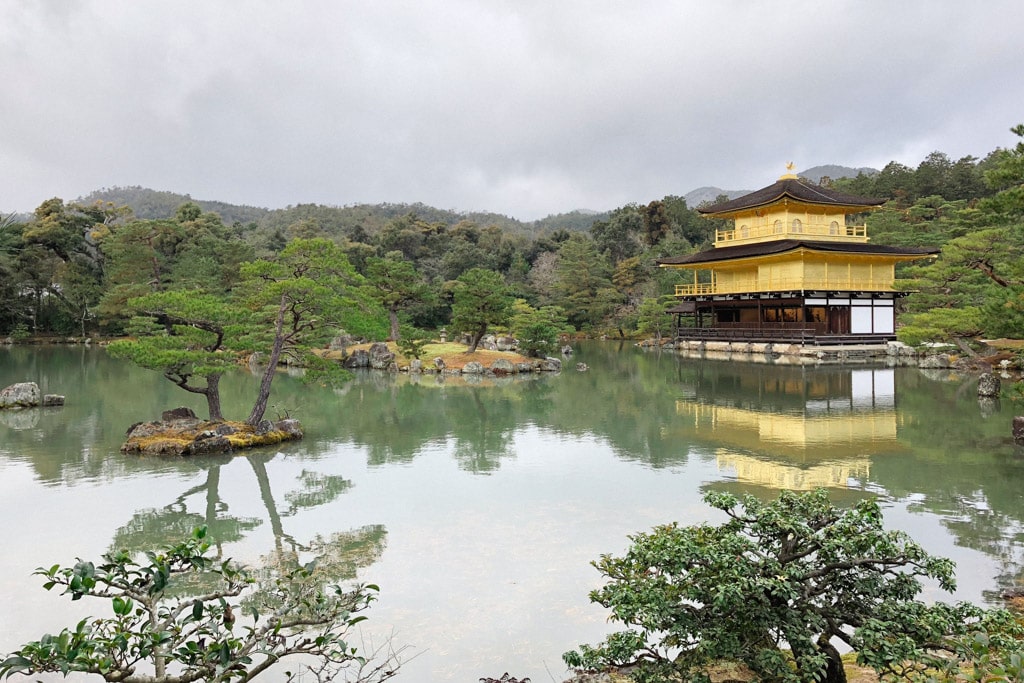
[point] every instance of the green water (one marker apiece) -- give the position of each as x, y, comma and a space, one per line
478, 506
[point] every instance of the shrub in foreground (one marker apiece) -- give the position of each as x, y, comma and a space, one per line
776, 587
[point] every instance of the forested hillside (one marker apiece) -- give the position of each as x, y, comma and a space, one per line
73, 268
334, 221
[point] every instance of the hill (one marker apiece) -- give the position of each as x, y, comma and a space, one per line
709, 194
335, 220
816, 173
153, 204
370, 219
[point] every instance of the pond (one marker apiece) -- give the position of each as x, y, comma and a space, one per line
477, 507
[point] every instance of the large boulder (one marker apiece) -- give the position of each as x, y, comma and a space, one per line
380, 356
359, 359
503, 367
21, 395
938, 361
988, 385
341, 341
472, 368
292, 428
550, 364
505, 343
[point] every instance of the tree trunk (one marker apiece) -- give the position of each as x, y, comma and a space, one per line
834, 672
212, 394
260, 406
477, 336
964, 346
393, 319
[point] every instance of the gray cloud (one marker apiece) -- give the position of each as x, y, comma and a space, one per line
525, 108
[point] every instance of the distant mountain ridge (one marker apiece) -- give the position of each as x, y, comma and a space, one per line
814, 174
157, 204
147, 204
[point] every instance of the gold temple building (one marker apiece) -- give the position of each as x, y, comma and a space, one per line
792, 267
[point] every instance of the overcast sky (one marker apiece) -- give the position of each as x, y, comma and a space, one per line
524, 107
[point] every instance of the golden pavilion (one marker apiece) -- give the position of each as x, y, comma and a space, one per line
792, 267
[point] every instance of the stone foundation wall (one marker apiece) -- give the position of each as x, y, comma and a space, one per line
796, 354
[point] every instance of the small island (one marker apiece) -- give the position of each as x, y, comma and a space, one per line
180, 432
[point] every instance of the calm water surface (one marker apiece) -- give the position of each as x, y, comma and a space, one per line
477, 507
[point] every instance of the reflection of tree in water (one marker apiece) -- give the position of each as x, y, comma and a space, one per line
336, 556
483, 435
968, 478
158, 527
627, 399
396, 421
996, 535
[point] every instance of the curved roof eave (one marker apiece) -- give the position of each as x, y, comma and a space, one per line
783, 246
796, 189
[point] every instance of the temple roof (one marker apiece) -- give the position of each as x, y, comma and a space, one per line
782, 246
797, 189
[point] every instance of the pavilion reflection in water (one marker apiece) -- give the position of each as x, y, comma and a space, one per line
793, 428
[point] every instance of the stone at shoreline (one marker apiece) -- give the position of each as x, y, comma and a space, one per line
472, 368
550, 364
988, 385
20, 395
291, 427
380, 356
359, 359
195, 437
938, 361
503, 367
1018, 430
50, 400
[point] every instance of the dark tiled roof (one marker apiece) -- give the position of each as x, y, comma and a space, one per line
782, 246
794, 188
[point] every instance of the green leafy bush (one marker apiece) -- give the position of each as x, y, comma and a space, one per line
774, 587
